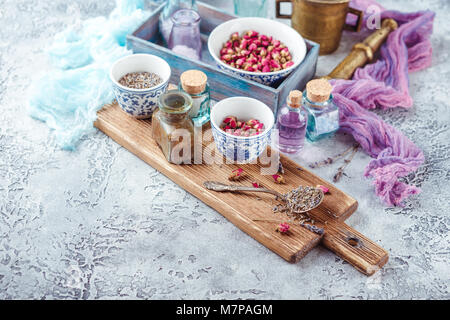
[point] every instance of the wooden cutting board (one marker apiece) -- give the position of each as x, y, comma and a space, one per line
254, 214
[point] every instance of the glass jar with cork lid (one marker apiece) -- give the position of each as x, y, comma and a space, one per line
291, 124
195, 84
323, 114
171, 127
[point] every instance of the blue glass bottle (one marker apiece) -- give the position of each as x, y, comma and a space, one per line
323, 114
195, 84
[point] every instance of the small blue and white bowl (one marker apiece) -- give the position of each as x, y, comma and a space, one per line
237, 148
139, 103
279, 31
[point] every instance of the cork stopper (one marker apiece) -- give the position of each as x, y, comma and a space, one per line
318, 90
295, 98
193, 81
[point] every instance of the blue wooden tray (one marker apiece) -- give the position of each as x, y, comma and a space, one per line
147, 39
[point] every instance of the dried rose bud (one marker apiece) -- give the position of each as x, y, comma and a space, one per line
240, 62
283, 228
252, 33
235, 36
274, 64
232, 124
323, 188
236, 174
266, 69
284, 52
228, 119
276, 43
288, 64
228, 44
226, 57
252, 47
278, 179
255, 184
258, 126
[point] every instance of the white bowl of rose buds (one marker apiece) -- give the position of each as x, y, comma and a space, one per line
241, 128
258, 49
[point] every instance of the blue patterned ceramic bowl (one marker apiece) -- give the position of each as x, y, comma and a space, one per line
139, 103
280, 31
241, 149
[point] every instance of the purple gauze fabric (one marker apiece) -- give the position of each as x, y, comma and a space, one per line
385, 84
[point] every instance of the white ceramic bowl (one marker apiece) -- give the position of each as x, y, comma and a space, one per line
279, 31
237, 148
139, 103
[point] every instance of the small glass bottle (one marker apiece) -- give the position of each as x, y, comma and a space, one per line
323, 114
171, 127
251, 8
185, 37
165, 18
195, 83
291, 124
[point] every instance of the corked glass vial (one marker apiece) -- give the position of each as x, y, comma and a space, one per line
195, 84
171, 127
291, 124
323, 114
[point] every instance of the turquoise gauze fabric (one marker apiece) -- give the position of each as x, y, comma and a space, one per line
67, 99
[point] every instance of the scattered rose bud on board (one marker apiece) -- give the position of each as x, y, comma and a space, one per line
236, 174
283, 228
278, 178
323, 188
255, 53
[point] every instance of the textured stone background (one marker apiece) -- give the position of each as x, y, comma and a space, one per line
99, 223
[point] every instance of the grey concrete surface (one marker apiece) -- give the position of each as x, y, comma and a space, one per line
99, 223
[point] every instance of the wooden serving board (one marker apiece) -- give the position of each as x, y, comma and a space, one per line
254, 214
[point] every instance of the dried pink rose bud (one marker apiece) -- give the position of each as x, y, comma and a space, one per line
252, 47
288, 64
228, 119
266, 69
283, 227
240, 62
255, 184
226, 57
252, 33
235, 36
278, 178
236, 174
274, 64
323, 188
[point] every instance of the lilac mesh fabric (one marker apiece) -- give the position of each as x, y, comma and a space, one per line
384, 84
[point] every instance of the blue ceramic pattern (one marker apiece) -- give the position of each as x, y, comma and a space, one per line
262, 78
139, 104
239, 149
